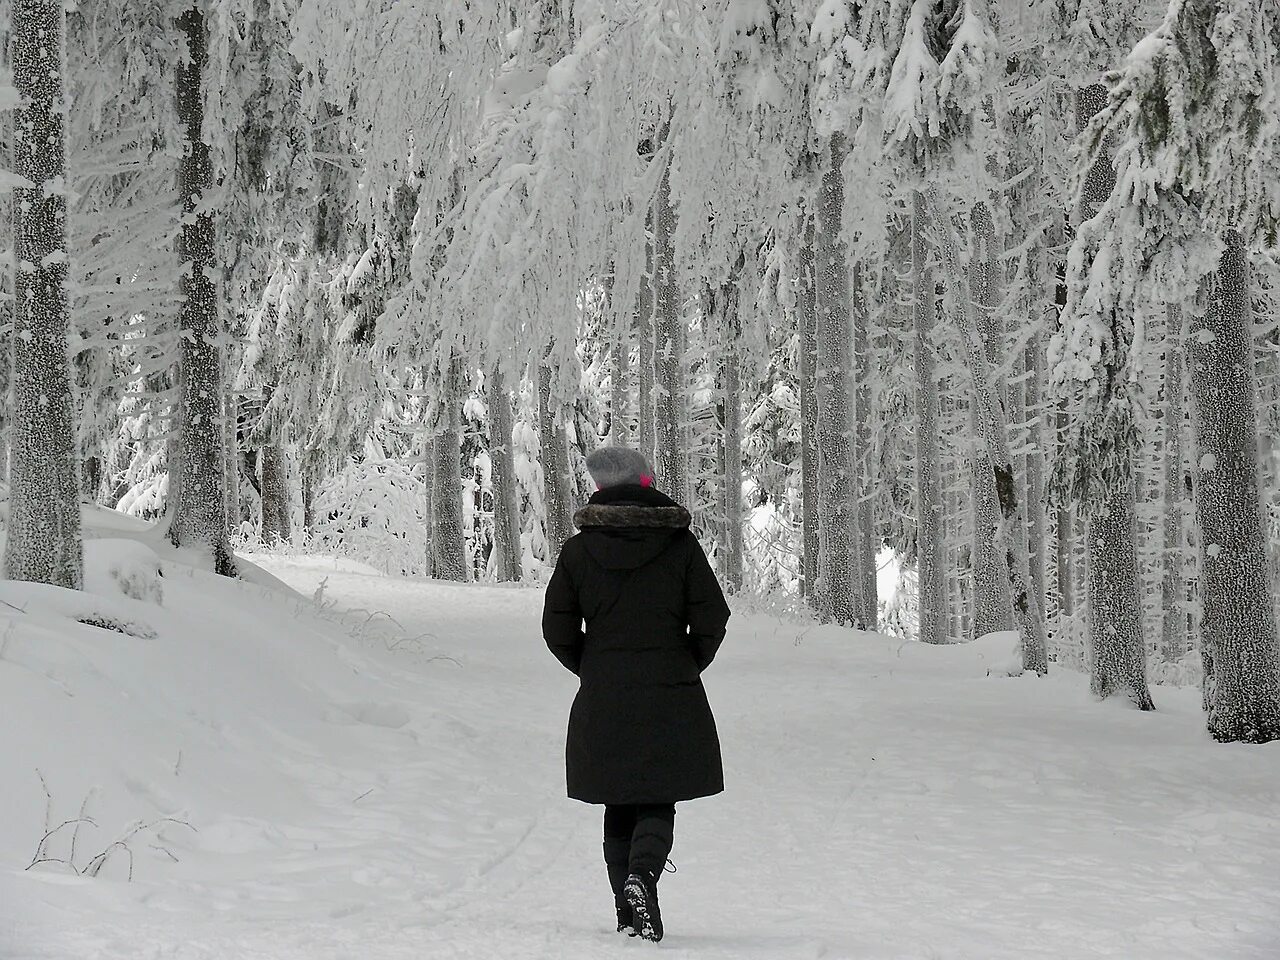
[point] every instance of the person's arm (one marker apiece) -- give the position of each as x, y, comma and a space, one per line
706, 609
562, 617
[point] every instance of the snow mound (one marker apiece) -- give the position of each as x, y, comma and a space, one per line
1002, 652
57, 609
168, 715
123, 567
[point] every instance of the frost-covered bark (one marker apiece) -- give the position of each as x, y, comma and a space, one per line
932, 587
275, 493
429, 498
619, 363
991, 606
867, 543
1118, 652
1037, 522
731, 446
644, 334
448, 534
837, 511
200, 518
556, 481
993, 431
669, 405
231, 452
806, 311
43, 542
1064, 536
1173, 618
6, 284
1238, 631
506, 509
310, 480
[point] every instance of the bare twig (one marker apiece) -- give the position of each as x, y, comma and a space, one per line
442, 656
166, 851
75, 834
48, 799
41, 858
96, 864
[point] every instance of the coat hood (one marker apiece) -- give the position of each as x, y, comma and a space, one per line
628, 526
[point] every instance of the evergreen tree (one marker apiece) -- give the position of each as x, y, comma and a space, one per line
199, 514
931, 585
837, 505
1197, 158
506, 510
43, 542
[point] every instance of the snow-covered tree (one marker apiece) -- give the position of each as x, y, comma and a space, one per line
837, 500
447, 528
1106, 494
1173, 617
506, 509
1197, 158
199, 512
43, 534
931, 586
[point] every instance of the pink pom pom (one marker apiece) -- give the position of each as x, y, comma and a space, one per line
646, 480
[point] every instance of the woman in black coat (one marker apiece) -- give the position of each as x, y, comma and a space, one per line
641, 734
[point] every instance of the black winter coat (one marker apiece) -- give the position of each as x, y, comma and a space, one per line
641, 730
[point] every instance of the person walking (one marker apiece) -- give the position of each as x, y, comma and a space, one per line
641, 733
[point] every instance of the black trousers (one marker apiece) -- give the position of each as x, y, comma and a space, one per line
640, 835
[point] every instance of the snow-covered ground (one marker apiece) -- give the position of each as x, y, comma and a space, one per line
389, 785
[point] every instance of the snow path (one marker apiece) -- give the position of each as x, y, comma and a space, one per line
884, 801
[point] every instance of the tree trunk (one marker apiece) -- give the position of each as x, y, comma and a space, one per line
993, 431
7, 224
429, 506
1037, 522
44, 508
619, 362
1238, 630
1041, 308
231, 453
557, 488
731, 465
310, 469
837, 524
1118, 652
991, 609
275, 493
932, 587
1173, 618
669, 406
867, 543
200, 517
644, 333
1057, 423
806, 308
506, 510
448, 536
1118, 655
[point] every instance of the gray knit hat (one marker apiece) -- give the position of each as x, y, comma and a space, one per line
614, 466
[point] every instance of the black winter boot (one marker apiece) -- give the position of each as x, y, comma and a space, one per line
642, 894
650, 846
617, 855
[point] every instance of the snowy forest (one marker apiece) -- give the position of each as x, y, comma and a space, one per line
945, 319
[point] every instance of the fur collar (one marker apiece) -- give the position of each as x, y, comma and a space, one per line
631, 515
